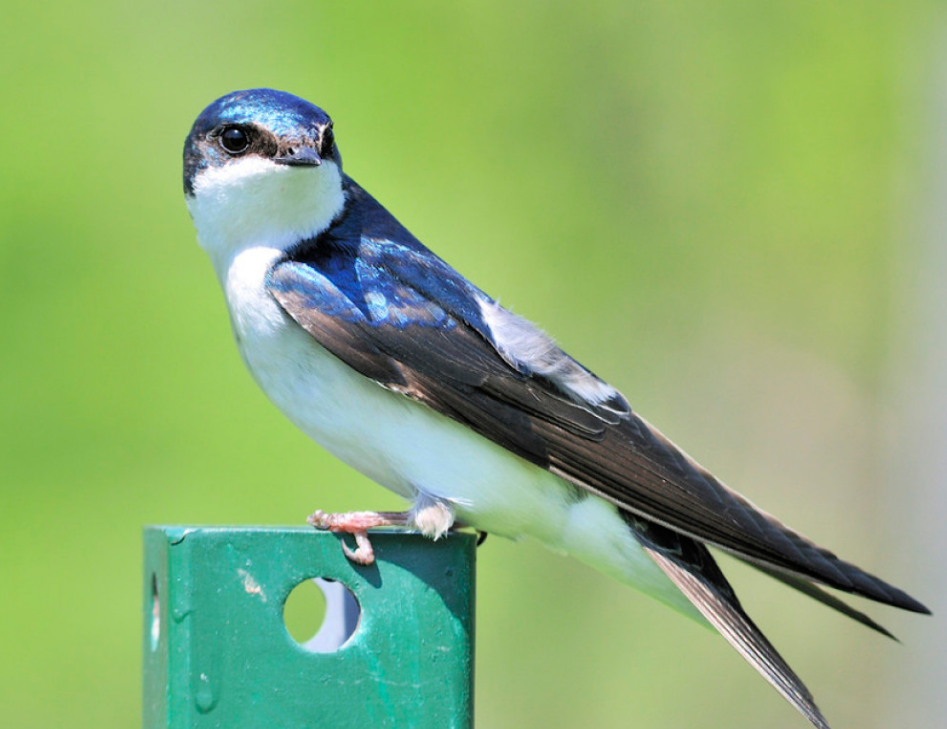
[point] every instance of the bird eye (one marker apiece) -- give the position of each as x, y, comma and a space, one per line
234, 140
328, 139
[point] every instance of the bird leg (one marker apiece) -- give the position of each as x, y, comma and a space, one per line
357, 523
431, 519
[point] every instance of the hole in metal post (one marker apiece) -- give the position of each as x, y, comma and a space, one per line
321, 614
155, 613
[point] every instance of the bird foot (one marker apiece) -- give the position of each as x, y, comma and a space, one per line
357, 523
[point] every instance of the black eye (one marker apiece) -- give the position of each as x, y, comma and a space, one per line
328, 139
234, 140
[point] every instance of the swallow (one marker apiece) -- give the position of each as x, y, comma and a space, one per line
398, 365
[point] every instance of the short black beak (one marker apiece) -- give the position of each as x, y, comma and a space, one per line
301, 156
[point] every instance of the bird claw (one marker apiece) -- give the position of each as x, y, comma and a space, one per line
320, 520
363, 553
356, 523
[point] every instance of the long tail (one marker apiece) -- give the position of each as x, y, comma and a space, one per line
692, 568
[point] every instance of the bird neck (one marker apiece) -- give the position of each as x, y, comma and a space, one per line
254, 203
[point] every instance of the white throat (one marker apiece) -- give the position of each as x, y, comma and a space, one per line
254, 202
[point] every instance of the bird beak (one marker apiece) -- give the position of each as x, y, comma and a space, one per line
299, 156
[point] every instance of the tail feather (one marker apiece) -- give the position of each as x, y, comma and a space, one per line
692, 568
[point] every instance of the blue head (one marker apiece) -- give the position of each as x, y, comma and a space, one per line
261, 169
269, 124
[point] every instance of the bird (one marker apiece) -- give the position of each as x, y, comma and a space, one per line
395, 363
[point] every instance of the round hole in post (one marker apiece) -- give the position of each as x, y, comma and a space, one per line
321, 615
155, 632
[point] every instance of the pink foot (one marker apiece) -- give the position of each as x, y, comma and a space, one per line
357, 523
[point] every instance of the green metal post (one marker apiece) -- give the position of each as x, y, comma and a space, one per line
217, 652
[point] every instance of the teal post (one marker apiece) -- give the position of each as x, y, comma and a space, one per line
217, 652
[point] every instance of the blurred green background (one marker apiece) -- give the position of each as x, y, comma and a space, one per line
731, 210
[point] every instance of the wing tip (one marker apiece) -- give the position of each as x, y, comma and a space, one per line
911, 605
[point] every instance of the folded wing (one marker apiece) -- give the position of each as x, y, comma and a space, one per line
401, 316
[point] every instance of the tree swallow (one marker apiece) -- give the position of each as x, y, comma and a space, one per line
397, 364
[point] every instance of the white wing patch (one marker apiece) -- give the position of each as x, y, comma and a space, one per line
527, 348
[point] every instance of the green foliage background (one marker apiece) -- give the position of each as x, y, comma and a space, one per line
710, 204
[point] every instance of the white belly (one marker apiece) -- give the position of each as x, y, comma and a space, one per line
409, 448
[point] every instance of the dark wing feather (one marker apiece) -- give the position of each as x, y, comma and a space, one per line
692, 568
668, 487
398, 314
